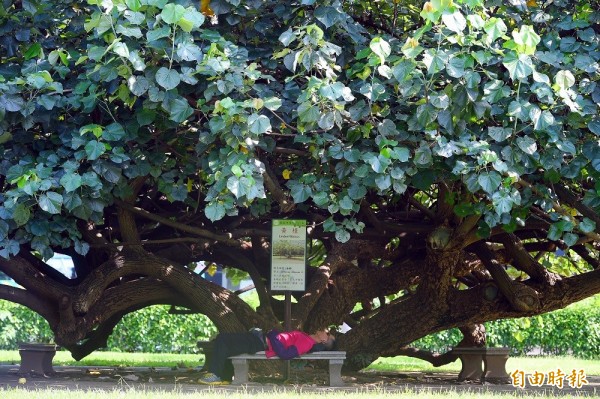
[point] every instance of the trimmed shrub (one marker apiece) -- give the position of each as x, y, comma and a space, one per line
574, 330
151, 330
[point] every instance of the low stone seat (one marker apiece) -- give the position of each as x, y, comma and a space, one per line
37, 358
483, 364
335, 358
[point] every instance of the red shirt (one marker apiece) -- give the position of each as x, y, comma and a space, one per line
302, 341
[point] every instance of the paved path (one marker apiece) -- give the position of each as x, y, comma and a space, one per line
184, 380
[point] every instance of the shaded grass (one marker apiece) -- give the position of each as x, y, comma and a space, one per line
115, 359
218, 394
528, 364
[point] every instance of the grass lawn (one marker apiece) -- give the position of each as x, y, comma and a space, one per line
399, 364
528, 364
137, 394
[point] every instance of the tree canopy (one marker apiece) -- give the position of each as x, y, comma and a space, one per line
445, 156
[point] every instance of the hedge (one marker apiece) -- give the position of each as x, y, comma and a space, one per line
574, 330
151, 330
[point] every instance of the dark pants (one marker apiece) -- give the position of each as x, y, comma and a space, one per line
231, 344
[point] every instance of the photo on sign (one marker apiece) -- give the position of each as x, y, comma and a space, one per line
289, 249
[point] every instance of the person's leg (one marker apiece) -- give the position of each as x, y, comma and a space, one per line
230, 344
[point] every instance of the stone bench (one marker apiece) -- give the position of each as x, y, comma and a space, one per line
37, 358
335, 358
493, 360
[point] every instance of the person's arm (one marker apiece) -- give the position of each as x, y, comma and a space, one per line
284, 353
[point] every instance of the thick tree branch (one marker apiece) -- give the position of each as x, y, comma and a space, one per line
523, 260
167, 222
567, 196
521, 297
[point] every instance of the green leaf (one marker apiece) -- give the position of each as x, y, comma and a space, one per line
180, 110
342, 235
402, 154
259, 124
564, 79
476, 21
214, 211
192, 19
51, 202
33, 51
527, 145
159, 33
502, 202
21, 214
526, 39
519, 66
328, 16
113, 132
158, 3
11, 103
495, 28
357, 191
423, 156
381, 48
172, 13
71, 181
327, 121
542, 120
570, 239
456, 22
134, 5
94, 149
490, 181
272, 103
587, 225
167, 78
300, 192
594, 126
188, 51
499, 133
138, 85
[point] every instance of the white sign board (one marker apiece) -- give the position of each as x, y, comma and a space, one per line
288, 255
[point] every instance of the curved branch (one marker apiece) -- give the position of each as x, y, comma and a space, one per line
32, 279
436, 359
521, 297
22, 297
168, 222
522, 260
280, 196
263, 294
567, 196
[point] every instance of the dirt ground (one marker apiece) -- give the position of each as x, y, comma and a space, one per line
303, 378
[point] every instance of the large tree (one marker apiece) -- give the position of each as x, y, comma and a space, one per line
444, 154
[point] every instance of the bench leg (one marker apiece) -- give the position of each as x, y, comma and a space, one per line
335, 373
495, 368
240, 371
471, 367
37, 361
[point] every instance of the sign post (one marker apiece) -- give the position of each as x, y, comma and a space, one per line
288, 260
288, 263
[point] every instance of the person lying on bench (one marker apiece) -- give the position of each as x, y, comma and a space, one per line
285, 345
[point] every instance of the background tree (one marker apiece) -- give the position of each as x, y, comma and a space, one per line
442, 154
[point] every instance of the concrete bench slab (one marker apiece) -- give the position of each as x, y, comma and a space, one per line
335, 358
